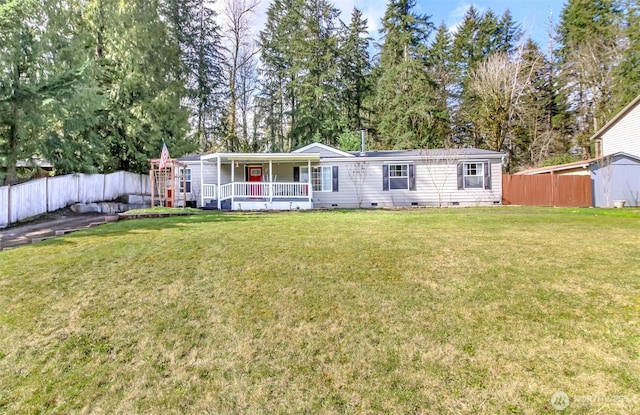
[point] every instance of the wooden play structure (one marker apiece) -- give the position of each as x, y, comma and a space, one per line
168, 183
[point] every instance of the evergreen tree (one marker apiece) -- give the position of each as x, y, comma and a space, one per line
442, 72
627, 72
589, 34
70, 141
315, 47
354, 69
277, 97
405, 93
45, 109
300, 94
139, 73
194, 28
586, 20
479, 36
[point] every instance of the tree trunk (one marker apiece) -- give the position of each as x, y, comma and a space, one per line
12, 156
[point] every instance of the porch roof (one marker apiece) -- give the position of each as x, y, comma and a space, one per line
261, 157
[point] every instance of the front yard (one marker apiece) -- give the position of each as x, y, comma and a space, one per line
454, 311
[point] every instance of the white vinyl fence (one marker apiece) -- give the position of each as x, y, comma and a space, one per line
40, 196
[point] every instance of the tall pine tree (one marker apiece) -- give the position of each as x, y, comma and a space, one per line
355, 67
405, 100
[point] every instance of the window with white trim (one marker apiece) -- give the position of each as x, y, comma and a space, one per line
187, 175
473, 175
321, 178
398, 176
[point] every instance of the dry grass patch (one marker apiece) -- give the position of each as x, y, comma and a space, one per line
484, 311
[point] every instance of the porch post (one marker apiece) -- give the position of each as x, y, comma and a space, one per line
218, 189
153, 189
233, 185
270, 180
201, 183
310, 187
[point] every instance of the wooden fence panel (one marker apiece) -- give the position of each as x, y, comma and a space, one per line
27, 200
4, 207
62, 191
90, 188
136, 184
547, 190
572, 191
44, 195
113, 185
527, 190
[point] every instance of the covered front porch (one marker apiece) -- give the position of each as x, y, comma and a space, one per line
249, 181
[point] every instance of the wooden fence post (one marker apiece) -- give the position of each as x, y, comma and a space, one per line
9, 204
46, 195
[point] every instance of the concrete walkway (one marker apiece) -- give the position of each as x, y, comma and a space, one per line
42, 229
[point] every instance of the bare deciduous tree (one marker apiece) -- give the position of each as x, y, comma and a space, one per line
358, 174
499, 83
590, 73
440, 164
240, 52
605, 168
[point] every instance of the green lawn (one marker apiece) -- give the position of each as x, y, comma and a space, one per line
455, 311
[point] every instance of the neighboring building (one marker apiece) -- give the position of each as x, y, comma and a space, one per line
613, 177
621, 133
319, 176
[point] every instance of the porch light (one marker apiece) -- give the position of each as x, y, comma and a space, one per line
237, 164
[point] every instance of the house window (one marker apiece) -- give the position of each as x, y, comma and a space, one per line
398, 176
186, 185
473, 174
321, 178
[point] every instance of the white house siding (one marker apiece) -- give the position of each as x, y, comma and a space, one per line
436, 184
282, 172
210, 177
624, 135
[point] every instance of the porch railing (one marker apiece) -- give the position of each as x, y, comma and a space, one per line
209, 191
226, 191
271, 190
262, 190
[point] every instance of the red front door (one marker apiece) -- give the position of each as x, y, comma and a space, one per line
255, 176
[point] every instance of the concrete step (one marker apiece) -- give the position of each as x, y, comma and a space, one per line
41, 238
109, 208
137, 199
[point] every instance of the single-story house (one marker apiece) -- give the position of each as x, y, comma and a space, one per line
613, 177
320, 176
621, 133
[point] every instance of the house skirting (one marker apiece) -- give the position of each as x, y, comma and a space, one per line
272, 205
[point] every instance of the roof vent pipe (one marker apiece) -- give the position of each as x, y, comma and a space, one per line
362, 153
